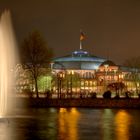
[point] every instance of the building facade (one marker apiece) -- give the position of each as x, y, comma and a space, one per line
82, 72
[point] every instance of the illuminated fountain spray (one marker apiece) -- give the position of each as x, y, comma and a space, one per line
7, 62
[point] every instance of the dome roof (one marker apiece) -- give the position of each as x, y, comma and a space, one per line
108, 63
78, 60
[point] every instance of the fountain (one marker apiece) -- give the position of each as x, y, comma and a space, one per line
8, 58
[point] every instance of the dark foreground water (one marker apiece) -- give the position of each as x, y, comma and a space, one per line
71, 124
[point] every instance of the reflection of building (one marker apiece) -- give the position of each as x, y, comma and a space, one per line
88, 73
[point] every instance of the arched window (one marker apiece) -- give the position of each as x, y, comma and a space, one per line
88, 75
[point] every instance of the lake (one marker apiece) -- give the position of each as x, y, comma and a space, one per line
71, 124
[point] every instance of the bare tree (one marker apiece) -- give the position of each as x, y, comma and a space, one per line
35, 56
117, 86
134, 64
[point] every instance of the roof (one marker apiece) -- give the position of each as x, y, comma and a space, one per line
108, 63
78, 60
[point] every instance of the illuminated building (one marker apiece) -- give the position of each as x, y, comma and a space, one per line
86, 73
80, 73
79, 69
25, 82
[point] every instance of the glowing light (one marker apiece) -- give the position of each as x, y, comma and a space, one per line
122, 122
68, 121
62, 110
73, 110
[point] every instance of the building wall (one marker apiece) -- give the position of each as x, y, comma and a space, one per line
81, 81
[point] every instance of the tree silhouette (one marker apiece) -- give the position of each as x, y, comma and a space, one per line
117, 86
134, 64
35, 56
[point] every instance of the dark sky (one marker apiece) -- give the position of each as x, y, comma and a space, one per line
112, 27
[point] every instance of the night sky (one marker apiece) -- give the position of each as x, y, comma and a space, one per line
112, 27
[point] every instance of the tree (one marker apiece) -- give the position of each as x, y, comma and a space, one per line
133, 62
117, 86
134, 65
71, 81
35, 56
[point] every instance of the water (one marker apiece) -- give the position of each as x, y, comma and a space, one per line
71, 124
8, 58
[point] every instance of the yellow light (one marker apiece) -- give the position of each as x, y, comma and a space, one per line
122, 122
72, 72
62, 110
68, 124
74, 110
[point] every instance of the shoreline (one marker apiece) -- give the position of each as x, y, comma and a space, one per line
86, 103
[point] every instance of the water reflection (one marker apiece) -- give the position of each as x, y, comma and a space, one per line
71, 124
107, 119
122, 123
68, 121
5, 129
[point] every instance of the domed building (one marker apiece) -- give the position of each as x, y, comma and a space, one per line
79, 69
82, 72
78, 60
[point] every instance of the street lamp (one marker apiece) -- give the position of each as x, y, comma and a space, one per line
105, 78
72, 73
60, 77
115, 75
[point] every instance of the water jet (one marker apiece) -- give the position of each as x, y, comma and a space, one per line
8, 59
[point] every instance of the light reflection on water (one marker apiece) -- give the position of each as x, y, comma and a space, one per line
107, 124
122, 122
71, 124
68, 119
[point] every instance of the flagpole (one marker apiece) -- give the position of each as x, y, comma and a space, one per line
80, 40
80, 44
